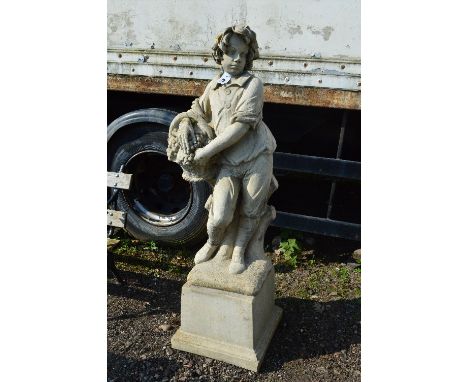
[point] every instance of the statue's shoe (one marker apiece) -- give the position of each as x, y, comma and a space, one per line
205, 253
224, 253
236, 266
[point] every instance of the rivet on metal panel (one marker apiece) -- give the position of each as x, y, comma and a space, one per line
205, 59
115, 184
152, 45
120, 55
305, 64
270, 63
160, 71
191, 73
133, 69
343, 66
175, 58
319, 81
287, 79
359, 83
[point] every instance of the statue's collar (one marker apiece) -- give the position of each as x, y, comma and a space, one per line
239, 81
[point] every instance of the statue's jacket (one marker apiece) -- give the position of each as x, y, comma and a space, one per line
240, 100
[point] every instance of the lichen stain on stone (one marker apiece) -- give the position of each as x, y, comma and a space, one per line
295, 30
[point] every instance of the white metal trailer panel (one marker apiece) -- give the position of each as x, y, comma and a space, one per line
309, 43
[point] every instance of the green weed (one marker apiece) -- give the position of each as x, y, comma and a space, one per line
303, 294
126, 246
290, 249
150, 246
343, 274
314, 283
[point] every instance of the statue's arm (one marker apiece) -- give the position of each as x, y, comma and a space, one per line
247, 115
227, 138
185, 134
200, 111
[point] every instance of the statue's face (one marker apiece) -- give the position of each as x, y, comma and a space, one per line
235, 58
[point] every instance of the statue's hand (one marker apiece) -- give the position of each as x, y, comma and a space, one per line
186, 136
200, 156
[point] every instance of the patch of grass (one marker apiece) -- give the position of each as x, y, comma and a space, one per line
348, 283
314, 283
150, 257
303, 294
327, 281
126, 246
343, 274
303, 274
176, 269
150, 246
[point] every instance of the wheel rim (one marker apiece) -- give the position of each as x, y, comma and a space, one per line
158, 193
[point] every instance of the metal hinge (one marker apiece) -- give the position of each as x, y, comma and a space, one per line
116, 218
119, 180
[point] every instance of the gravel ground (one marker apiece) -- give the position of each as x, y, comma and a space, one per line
318, 338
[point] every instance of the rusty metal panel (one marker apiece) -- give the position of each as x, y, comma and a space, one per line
293, 71
284, 94
297, 95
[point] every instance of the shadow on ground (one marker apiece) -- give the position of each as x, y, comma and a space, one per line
309, 329
161, 295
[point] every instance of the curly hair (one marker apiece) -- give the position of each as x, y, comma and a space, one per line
246, 34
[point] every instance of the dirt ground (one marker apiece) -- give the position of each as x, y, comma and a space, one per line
318, 338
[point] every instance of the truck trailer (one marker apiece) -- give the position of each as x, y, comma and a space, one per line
159, 59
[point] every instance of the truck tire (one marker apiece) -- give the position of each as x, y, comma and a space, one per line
160, 204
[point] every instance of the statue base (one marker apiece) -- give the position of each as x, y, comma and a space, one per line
228, 326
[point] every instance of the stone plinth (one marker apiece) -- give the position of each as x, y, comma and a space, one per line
233, 325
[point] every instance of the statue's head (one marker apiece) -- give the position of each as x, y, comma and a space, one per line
235, 49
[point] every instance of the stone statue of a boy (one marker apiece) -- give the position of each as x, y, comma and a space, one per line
223, 140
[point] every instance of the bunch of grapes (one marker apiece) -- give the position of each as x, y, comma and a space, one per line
188, 159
